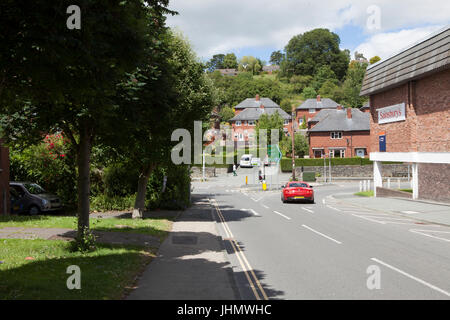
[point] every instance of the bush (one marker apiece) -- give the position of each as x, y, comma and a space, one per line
286, 163
120, 180
103, 202
309, 176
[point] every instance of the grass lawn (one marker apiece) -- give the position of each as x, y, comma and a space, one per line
364, 194
105, 273
154, 227
406, 190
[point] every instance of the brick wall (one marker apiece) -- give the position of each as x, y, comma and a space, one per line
427, 124
300, 113
4, 179
434, 181
356, 139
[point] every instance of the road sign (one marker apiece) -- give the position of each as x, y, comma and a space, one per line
274, 153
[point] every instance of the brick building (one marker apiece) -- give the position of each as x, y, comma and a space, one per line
339, 133
311, 107
248, 112
4, 179
410, 114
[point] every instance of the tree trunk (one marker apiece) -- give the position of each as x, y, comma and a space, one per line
139, 204
83, 162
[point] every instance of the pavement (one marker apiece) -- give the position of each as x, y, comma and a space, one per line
191, 263
431, 212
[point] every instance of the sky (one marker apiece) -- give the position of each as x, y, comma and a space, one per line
259, 27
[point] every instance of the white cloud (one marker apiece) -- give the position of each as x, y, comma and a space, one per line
215, 26
389, 43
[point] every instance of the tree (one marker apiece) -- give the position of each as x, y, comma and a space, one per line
306, 53
286, 105
230, 61
54, 78
301, 145
353, 83
216, 62
329, 89
276, 57
300, 82
269, 123
374, 59
250, 64
226, 113
309, 93
323, 74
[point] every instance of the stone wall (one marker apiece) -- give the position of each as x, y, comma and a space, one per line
434, 181
389, 170
196, 172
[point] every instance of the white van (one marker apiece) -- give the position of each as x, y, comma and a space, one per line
246, 161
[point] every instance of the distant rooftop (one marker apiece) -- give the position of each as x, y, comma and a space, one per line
337, 120
256, 113
256, 103
318, 103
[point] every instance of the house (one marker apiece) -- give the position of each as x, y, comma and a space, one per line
228, 72
409, 96
365, 107
248, 112
271, 69
4, 179
311, 107
339, 133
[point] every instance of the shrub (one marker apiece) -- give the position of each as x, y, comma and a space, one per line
309, 176
120, 179
103, 202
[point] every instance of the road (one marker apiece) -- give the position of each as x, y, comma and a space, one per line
326, 250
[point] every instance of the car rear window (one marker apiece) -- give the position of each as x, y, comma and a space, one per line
298, 185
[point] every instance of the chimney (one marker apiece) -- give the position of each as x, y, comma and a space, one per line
339, 108
349, 113
257, 97
318, 98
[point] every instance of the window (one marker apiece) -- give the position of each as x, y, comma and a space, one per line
360, 152
312, 110
336, 135
238, 123
337, 153
251, 122
286, 122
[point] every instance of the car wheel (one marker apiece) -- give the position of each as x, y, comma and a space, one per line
34, 210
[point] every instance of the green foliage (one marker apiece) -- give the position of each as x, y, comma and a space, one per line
309, 93
329, 89
276, 57
300, 145
120, 179
353, 83
300, 82
230, 61
103, 202
84, 242
374, 59
286, 163
306, 53
323, 74
304, 123
286, 105
226, 113
50, 164
216, 62
250, 64
269, 123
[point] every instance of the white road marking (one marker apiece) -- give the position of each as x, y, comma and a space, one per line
319, 233
422, 232
282, 215
412, 277
409, 212
365, 218
334, 208
265, 206
323, 201
310, 211
252, 211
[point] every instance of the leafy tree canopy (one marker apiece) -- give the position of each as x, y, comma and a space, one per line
374, 59
276, 57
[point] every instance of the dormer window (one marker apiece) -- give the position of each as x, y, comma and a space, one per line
312, 110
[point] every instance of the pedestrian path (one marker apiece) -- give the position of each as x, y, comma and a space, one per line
191, 263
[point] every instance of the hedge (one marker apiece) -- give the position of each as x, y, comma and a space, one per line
286, 163
309, 176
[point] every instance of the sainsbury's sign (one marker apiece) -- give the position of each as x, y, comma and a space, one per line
392, 114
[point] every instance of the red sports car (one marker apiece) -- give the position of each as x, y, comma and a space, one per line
297, 191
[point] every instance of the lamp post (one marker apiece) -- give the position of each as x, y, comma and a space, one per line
293, 144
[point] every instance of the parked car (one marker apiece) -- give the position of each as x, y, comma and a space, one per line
297, 191
32, 198
246, 161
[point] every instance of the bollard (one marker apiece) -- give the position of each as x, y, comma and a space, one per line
368, 185
264, 185
389, 183
360, 186
246, 179
398, 183
364, 185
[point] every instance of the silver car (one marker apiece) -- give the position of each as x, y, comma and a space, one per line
32, 198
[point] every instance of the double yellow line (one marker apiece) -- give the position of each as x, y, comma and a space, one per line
248, 270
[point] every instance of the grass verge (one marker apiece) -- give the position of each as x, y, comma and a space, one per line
106, 273
157, 227
364, 194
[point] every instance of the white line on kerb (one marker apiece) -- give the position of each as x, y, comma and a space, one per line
282, 215
310, 211
319, 233
424, 233
412, 277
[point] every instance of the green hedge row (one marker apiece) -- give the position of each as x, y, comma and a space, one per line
286, 163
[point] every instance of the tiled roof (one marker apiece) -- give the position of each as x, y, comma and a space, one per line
255, 113
324, 103
336, 120
252, 103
